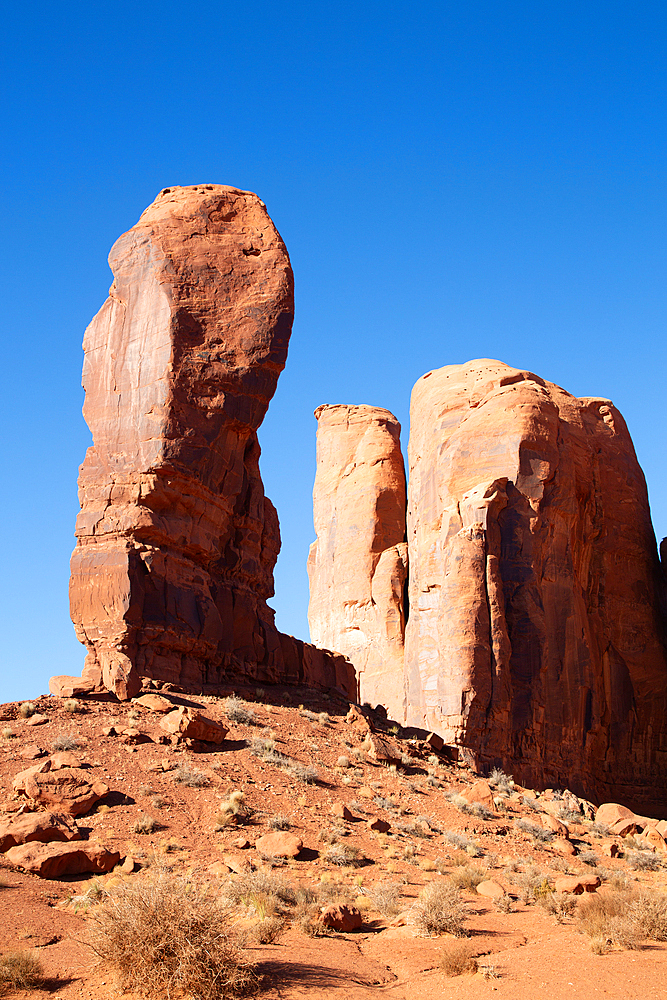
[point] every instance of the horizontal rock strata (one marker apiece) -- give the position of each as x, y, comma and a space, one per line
176, 541
358, 565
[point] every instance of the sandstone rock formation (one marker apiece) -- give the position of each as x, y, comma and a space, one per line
536, 628
176, 542
536, 635
358, 565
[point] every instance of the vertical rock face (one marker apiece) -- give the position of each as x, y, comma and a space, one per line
536, 631
358, 565
176, 542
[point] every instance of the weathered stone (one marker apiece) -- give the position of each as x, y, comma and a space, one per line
192, 725
176, 542
491, 889
154, 703
378, 825
279, 845
344, 918
67, 788
358, 564
37, 720
340, 809
576, 884
379, 748
535, 635
59, 860
610, 812
480, 791
625, 827
563, 846
552, 824
40, 826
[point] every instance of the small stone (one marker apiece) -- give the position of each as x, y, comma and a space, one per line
40, 826
340, 809
624, 827
219, 868
365, 792
491, 889
610, 848
549, 822
378, 825
279, 845
109, 731
33, 753
127, 866
37, 720
344, 918
435, 742
242, 843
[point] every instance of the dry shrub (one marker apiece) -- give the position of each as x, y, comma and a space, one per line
71, 705
559, 904
343, 855
280, 822
256, 889
64, 742
189, 776
648, 911
233, 810
607, 920
267, 930
20, 970
146, 824
166, 937
26, 709
384, 897
468, 877
439, 910
457, 958
237, 710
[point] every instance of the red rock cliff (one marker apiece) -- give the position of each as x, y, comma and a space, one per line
176, 542
358, 565
536, 632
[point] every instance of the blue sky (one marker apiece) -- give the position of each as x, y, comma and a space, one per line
452, 181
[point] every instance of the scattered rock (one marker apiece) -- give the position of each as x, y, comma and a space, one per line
342, 918
154, 703
32, 753
68, 788
40, 826
127, 866
625, 827
378, 825
191, 724
109, 731
380, 749
37, 720
610, 812
58, 860
563, 846
576, 884
220, 868
364, 792
340, 810
549, 822
280, 844
435, 742
480, 792
491, 889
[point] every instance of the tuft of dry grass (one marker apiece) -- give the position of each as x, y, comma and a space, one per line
233, 810
607, 919
237, 710
457, 958
167, 937
343, 856
190, 776
468, 876
267, 930
146, 824
384, 897
26, 709
7, 733
559, 904
280, 822
438, 910
71, 705
20, 970
64, 742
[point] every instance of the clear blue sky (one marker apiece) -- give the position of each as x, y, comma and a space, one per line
452, 180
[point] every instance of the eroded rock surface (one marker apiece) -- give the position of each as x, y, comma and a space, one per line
358, 565
176, 541
536, 631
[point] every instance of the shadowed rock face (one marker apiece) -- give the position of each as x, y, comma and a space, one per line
358, 565
536, 634
176, 542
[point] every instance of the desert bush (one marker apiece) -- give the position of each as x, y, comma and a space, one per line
343, 856
589, 858
7, 733
648, 912
279, 822
384, 897
20, 970
72, 705
303, 772
159, 802
258, 885
167, 937
531, 804
642, 861
64, 742
433, 782
480, 810
237, 710
457, 958
343, 761
233, 809
384, 803
468, 876
267, 930
568, 815
190, 776
532, 885
606, 919
559, 904
438, 910
26, 709
458, 840
146, 824
145, 791
536, 832
500, 781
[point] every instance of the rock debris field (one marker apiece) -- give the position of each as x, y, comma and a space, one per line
342, 853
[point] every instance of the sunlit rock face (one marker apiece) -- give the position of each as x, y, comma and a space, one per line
176, 541
536, 634
358, 565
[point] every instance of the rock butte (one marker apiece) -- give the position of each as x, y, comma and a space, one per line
176, 541
536, 628
358, 565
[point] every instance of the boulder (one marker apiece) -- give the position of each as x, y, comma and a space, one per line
379, 748
39, 826
69, 789
625, 827
154, 703
176, 541
554, 825
59, 860
491, 889
279, 845
562, 846
191, 724
378, 825
37, 720
357, 566
340, 809
576, 884
610, 812
479, 791
344, 918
